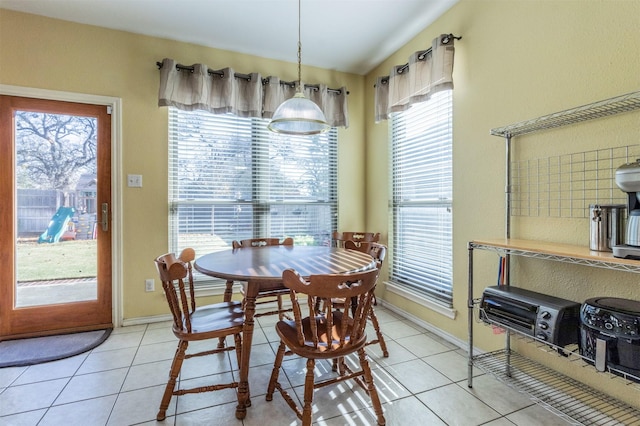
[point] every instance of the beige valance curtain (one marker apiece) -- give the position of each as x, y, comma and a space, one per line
426, 73
197, 87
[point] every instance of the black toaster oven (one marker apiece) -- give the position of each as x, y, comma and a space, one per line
544, 317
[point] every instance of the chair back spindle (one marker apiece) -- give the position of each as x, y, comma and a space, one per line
339, 238
348, 325
261, 242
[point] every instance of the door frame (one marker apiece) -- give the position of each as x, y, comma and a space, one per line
116, 176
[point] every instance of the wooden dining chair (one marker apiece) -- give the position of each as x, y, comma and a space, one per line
270, 296
339, 238
193, 323
327, 334
378, 252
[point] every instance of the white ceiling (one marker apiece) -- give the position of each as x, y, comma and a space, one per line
344, 35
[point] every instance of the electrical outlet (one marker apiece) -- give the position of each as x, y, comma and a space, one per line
149, 284
134, 181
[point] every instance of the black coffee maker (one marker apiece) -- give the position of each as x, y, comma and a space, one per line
628, 180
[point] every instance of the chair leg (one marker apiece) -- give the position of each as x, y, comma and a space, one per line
228, 295
337, 364
380, 337
308, 392
173, 376
276, 371
238, 342
371, 388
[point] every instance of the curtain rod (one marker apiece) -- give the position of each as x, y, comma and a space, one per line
401, 68
248, 77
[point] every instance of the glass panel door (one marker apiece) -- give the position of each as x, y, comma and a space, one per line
55, 197
56, 182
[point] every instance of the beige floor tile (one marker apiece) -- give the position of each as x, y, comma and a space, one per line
497, 395
398, 354
422, 345
29, 418
499, 422
155, 352
451, 364
399, 329
18, 399
410, 411
293, 370
270, 334
147, 375
51, 370
274, 412
536, 415
259, 380
107, 360
357, 418
220, 415
334, 400
139, 406
158, 335
389, 387
417, 376
386, 316
120, 341
262, 355
206, 365
92, 385
9, 375
259, 337
455, 406
91, 412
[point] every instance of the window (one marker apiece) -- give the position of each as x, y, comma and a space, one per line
231, 179
421, 144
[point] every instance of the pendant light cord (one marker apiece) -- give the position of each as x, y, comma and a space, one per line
299, 52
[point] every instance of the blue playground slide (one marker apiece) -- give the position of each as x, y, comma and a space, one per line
57, 226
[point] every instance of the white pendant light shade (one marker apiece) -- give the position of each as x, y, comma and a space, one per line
298, 116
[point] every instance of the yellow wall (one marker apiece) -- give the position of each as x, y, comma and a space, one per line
519, 60
44, 53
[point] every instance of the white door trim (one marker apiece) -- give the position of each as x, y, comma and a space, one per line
116, 180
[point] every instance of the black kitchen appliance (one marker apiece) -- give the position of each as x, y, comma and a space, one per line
547, 318
610, 335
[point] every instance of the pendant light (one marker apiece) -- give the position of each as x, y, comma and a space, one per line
298, 115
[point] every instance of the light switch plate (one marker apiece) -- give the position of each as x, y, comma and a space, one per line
134, 181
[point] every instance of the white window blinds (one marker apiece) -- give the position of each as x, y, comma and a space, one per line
232, 179
422, 197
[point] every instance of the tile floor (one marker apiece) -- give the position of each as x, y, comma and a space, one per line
121, 382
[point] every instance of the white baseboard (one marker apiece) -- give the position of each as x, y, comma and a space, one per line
146, 320
462, 344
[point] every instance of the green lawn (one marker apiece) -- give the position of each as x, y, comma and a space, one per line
68, 259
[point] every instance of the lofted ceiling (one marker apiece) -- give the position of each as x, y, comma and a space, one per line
343, 35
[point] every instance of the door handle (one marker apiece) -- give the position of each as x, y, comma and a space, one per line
104, 220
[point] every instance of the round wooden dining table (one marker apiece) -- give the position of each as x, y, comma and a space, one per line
261, 268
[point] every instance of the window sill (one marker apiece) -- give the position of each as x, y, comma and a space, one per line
420, 299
